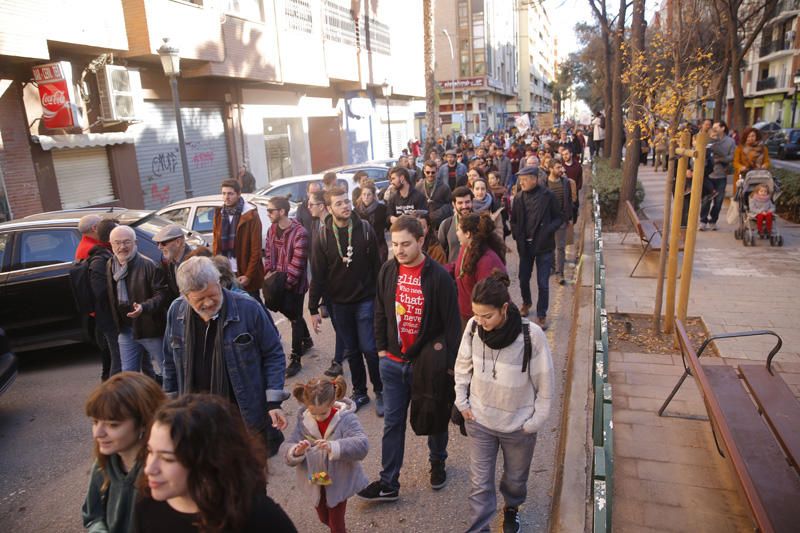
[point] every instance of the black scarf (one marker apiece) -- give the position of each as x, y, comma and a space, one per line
505, 335
220, 385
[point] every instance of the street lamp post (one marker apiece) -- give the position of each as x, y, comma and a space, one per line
171, 62
794, 98
387, 92
455, 73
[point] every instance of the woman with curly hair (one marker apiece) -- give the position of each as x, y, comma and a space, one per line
480, 254
121, 410
751, 154
204, 472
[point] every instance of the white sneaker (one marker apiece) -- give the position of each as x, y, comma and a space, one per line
712, 227
703, 227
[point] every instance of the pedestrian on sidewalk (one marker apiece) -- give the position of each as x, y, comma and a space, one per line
327, 439
106, 333
479, 256
453, 173
661, 147
535, 218
484, 201
574, 171
286, 253
345, 264
417, 337
406, 198
121, 410
751, 154
369, 208
137, 296
430, 245
204, 473
504, 389
437, 194
722, 151
237, 236
172, 242
462, 206
221, 342
566, 194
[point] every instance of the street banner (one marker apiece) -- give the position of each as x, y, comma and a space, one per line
523, 123
59, 109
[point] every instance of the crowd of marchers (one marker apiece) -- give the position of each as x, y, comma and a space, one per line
194, 371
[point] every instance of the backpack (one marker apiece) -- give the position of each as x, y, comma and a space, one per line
603, 121
81, 287
323, 233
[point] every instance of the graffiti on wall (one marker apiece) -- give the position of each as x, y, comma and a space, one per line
160, 195
200, 154
164, 163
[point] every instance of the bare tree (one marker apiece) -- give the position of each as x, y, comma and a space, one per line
615, 124
601, 14
431, 112
743, 20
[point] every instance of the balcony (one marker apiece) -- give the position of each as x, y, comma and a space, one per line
766, 84
778, 45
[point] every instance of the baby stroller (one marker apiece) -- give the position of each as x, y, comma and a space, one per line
747, 230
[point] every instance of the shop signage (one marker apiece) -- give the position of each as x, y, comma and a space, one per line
462, 83
56, 94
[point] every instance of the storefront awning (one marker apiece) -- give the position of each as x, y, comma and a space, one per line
85, 140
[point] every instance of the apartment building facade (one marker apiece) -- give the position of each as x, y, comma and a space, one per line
772, 62
537, 60
285, 87
476, 63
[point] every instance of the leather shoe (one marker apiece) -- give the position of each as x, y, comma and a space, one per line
525, 309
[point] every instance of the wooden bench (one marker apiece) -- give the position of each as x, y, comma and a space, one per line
648, 232
755, 419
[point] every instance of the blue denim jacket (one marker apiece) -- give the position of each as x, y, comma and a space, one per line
253, 354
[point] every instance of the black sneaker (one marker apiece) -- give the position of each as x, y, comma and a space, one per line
294, 366
438, 475
378, 492
360, 400
510, 520
334, 370
306, 344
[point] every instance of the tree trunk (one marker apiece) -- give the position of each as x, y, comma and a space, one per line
633, 145
615, 124
739, 112
608, 93
721, 99
431, 113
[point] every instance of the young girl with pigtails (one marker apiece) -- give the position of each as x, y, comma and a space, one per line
327, 447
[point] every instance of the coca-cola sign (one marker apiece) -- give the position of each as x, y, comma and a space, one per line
55, 91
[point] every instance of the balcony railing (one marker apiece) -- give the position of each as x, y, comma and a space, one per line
766, 83
779, 45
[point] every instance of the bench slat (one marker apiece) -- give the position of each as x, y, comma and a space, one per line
768, 480
779, 405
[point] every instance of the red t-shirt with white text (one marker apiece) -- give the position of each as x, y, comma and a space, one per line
408, 305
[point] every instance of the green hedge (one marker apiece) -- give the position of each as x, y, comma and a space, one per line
607, 182
788, 203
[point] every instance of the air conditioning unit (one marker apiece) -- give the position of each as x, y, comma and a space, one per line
120, 93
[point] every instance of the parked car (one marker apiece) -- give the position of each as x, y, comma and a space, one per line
197, 214
295, 187
8, 364
377, 170
767, 129
785, 144
36, 253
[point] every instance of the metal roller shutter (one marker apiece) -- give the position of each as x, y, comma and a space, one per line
83, 176
158, 156
400, 138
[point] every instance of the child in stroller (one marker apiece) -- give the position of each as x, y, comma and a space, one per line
761, 209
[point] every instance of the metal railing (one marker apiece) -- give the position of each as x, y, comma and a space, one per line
602, 426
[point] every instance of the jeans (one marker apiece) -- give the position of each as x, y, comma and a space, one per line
660, 160
544, 263
338, 350
108, 344
517, 455
715, 204
141, 355
396, 399
354, 324
561, 248
293, 311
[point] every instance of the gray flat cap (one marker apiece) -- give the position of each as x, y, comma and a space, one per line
168, 232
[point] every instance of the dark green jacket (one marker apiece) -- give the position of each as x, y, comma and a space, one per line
111, 511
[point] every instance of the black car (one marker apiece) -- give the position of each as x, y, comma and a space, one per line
784, 144
37, 307
8, 364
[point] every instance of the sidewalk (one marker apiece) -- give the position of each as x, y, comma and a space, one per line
668, 474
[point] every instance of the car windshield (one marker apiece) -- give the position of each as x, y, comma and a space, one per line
795, 137
151, 224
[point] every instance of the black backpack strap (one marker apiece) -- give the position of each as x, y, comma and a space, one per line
526, 336
473, 329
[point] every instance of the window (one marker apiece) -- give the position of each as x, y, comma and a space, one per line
249, 9
204, 219
296, 192
5, 238
47, 247
463, 15
178, 216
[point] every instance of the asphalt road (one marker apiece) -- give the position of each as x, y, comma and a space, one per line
46, 448
787, 164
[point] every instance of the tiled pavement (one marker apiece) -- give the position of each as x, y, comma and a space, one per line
668, 474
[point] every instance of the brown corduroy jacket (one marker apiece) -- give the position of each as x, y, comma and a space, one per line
248, 246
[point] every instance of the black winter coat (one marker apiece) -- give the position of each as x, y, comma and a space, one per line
535, 215
147, 287
438, 204
98, 259
433, 355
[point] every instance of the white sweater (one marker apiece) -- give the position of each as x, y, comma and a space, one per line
514, 400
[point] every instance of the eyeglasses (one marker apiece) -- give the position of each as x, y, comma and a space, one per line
272, 209
429, 173
315, 204
122, 243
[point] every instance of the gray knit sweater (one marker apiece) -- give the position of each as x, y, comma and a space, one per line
514, 400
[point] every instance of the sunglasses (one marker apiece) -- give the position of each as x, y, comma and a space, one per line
164, 243
429, 173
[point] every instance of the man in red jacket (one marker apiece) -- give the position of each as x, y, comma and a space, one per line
87, 225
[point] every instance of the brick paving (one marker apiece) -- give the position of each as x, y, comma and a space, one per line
668, 474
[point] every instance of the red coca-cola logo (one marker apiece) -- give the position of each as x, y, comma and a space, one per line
54, 99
